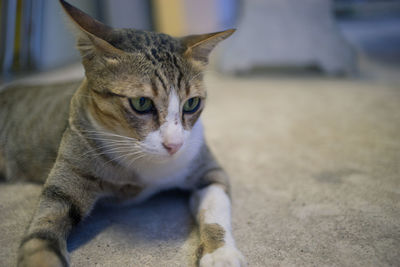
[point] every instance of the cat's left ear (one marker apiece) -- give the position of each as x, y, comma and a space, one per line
198, 47
93, 34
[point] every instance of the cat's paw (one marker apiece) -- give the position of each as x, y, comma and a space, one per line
225, 256
41, 259
36, 253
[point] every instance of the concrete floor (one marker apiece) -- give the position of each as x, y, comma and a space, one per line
315, 172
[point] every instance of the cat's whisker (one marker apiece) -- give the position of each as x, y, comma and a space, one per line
135, 159
124, 155
107, 140
152, 152
105, 165
116, 158
105, 136
112, 145
109, 135
120, 150
114, 140
112, 149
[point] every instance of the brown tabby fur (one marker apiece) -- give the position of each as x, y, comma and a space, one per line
48, 133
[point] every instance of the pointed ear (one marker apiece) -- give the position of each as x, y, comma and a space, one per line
198, 47
92, 33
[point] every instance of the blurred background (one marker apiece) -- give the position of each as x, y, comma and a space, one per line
35, 36
273, 36
303, 112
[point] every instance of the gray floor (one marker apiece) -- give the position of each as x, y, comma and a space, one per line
315, 173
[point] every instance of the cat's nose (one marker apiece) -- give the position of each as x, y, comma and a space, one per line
172, 148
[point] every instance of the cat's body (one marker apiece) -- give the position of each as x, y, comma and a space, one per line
129, 130
33, 119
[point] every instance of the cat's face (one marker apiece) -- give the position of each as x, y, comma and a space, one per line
146, 88
156, 103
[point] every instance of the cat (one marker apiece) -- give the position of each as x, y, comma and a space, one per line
130, 129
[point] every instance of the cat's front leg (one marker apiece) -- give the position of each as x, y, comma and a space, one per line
212, 209
66, 198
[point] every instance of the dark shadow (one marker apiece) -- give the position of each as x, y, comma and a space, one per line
165, 216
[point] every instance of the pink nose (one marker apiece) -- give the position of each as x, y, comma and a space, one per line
172, 148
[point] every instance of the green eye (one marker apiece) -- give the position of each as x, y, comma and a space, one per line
191, 105
141, 104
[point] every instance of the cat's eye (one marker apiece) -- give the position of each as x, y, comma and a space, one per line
141, 104
191, 105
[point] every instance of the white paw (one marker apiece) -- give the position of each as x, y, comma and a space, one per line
225, 256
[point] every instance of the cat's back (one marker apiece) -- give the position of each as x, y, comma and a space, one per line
21, 98
32, 121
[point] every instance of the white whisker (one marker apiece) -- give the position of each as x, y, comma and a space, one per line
108, 146
90, 132
135, 159
105, 140
124, 155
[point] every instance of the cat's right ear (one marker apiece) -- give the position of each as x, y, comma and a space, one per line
93, 35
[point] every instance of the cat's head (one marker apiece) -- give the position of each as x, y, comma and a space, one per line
143, 85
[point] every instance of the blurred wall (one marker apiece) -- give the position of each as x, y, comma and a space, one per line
127, 13
58, 43
37, 35
182, 17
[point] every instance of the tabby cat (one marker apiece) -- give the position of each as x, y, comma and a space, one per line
129, 130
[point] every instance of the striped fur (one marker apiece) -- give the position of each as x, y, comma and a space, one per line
85, 142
